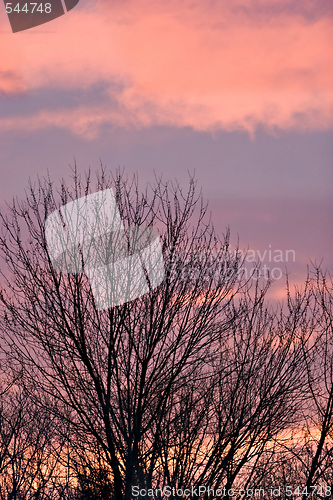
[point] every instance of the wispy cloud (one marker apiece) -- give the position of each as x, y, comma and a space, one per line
10, 83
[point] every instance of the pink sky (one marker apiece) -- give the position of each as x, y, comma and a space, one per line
241, 91
206, 65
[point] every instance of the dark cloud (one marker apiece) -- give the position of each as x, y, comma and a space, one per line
308, 11
51, 98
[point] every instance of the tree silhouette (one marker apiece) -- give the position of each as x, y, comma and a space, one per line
118, 369
190, 384
30, 451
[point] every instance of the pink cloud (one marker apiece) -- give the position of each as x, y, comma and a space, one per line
182, 63
11, 81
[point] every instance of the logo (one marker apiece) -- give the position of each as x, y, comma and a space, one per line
87, 235
25, 15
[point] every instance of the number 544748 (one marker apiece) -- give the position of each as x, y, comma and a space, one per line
29, 8
311, 491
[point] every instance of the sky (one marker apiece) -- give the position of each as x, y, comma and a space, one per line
238, 91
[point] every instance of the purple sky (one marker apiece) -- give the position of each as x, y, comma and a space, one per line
243, 96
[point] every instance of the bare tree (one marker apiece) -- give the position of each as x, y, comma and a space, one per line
116, 369
231, 424
302, 461
30, 452
315, 449
191, 383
